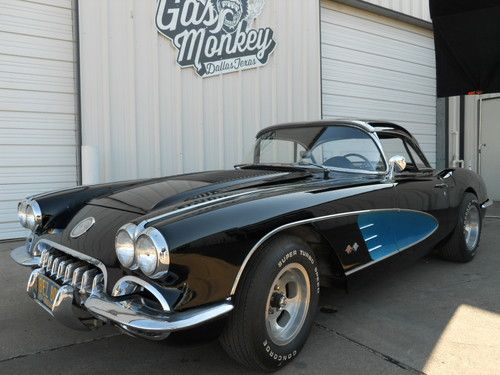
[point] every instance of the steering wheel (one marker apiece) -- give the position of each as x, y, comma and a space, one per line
366, 163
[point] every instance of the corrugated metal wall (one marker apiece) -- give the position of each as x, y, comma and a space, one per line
147, 117
37, 103
379, 68
414, 8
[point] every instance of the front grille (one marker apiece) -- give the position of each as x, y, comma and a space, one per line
68, 270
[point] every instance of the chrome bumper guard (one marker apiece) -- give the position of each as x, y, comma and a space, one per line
63, 309
81, 302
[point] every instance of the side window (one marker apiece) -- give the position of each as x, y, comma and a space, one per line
419, 163
394, 145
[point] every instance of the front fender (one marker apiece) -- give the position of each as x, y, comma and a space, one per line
210, 248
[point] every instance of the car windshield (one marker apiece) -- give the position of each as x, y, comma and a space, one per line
343, 148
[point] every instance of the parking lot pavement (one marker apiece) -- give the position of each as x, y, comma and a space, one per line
432, 317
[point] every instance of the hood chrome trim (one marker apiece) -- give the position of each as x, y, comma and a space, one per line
195, 206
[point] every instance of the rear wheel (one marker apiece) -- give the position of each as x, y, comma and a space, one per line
275, 306
464, 241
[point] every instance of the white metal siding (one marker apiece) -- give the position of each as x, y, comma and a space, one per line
378, 68
37, 103
414, 8
147, 117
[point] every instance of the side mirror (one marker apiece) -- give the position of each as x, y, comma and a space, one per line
397, 164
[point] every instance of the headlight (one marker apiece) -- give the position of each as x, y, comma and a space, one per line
30, 217
29, 214
124, 246
151, 253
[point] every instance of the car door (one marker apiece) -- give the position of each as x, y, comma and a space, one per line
418, 189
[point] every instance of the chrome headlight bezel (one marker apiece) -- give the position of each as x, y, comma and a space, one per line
21, 213
160, 264
128, 230
29, 214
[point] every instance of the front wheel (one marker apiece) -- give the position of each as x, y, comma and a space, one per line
275, 306
464, 241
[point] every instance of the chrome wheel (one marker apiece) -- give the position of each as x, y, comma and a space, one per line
472, 223
288, 304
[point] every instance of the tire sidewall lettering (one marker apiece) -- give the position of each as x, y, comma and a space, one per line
301, 254
282, 355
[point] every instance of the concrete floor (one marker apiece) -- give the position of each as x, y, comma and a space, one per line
431, 317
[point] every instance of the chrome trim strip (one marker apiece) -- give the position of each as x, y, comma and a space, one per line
487, 204
80, 256
370, 263
307, 221
193, 207
374, 248
366, 226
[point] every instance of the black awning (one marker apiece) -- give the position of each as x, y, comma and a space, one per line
467, 37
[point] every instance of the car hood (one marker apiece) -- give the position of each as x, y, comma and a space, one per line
153, 195
145, 200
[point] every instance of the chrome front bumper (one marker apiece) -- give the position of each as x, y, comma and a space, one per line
80, 307
136, 318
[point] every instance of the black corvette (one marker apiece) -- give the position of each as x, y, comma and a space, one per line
253, 245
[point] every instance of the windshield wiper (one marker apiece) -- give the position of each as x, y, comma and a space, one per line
276, 167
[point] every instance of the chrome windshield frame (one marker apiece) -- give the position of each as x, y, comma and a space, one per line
359, 125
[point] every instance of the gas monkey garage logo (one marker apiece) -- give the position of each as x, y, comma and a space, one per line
216, 36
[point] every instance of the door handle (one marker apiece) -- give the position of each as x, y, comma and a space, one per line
441, 186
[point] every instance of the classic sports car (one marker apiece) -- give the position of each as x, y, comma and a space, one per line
252, 246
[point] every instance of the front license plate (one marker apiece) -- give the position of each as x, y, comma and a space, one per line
46, 290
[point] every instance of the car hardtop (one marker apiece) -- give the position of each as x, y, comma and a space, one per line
370, 126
